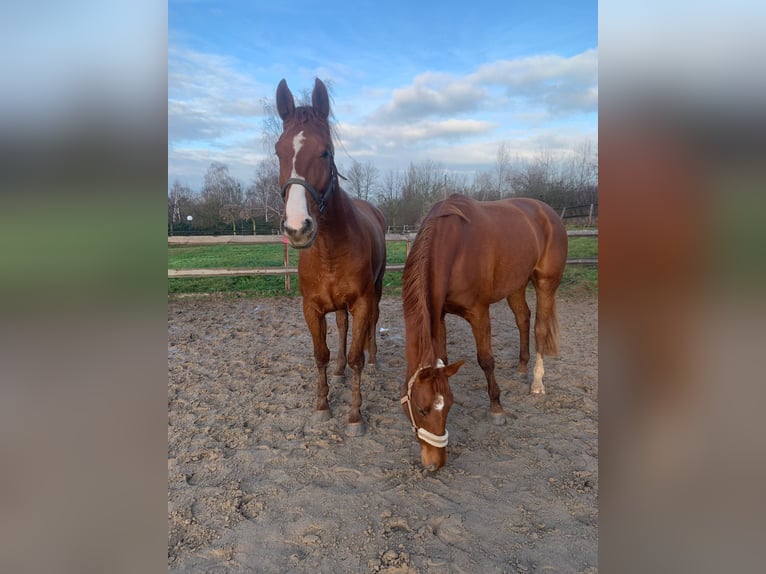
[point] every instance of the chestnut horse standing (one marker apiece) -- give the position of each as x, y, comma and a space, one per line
466, 256
342, 243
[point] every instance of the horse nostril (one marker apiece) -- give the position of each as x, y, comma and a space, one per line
308, 224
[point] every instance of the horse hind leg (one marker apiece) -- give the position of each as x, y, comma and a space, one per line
360, 337
371, 345
518, 303
546, 329
341, 320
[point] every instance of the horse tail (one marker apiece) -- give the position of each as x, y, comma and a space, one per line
551, 339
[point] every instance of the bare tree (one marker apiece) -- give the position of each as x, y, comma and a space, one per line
484, 186
389, 198
263, 195
503, 171
361, 179
179, 203
230, 213
559, 181
271, 127
582, 173
219, 189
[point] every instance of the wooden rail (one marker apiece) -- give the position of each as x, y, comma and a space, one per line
288, 270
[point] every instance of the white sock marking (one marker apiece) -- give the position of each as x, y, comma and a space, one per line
537, 382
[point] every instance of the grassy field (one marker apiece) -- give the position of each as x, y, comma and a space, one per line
202, 257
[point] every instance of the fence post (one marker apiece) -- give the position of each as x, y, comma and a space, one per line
590, 215
287, 263
563, 211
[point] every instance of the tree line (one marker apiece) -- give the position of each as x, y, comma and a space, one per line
225, 205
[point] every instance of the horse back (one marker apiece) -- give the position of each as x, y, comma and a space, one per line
490, 249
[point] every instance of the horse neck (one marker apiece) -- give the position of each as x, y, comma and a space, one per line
422, 304
337, 222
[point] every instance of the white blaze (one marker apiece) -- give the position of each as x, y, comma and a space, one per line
296, 209
439, 402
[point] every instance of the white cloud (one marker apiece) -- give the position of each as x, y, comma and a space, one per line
544, 101
557, 85
209, 97
431, 94
413, 132
564, 85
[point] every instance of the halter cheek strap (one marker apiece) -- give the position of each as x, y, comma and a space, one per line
439, 441
321, 200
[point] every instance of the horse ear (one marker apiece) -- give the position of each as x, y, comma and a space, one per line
285, 101
450, 370
426, 373
320, 100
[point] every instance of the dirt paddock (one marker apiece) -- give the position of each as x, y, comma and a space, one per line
253, 486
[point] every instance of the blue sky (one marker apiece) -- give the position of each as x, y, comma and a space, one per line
411, 81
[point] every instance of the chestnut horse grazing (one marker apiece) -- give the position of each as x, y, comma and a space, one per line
342, 243
466, 256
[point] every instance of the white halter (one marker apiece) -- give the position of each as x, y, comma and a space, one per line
439, 441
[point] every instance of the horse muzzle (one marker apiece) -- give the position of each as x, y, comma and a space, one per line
301, 237
432, 458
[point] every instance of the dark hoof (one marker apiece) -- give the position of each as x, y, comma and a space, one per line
356, 429
338, 379
321, 416
522, 369
497, 418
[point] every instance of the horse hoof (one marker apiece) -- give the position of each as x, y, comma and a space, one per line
497, 418
356, 429
321, 416
338, 379
372, 367
537, 390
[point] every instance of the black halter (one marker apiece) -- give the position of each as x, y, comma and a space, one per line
321, 200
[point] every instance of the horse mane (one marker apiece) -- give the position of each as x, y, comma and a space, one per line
415, 289
418, 307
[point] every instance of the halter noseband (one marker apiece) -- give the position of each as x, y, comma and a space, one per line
321, 200
439, 441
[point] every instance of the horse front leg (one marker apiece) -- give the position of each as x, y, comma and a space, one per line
360, 332
441, 340
482, 333
317, 325
341, 320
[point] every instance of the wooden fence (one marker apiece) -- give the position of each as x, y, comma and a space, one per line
287, 269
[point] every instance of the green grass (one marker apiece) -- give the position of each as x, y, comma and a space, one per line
203, 257
581, 277
577, 277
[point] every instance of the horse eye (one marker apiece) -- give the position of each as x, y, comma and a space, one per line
325, 154
422, 412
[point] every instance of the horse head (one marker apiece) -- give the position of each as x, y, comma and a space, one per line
307, 172
426, 400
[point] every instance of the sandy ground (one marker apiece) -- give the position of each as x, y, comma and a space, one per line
254, 487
